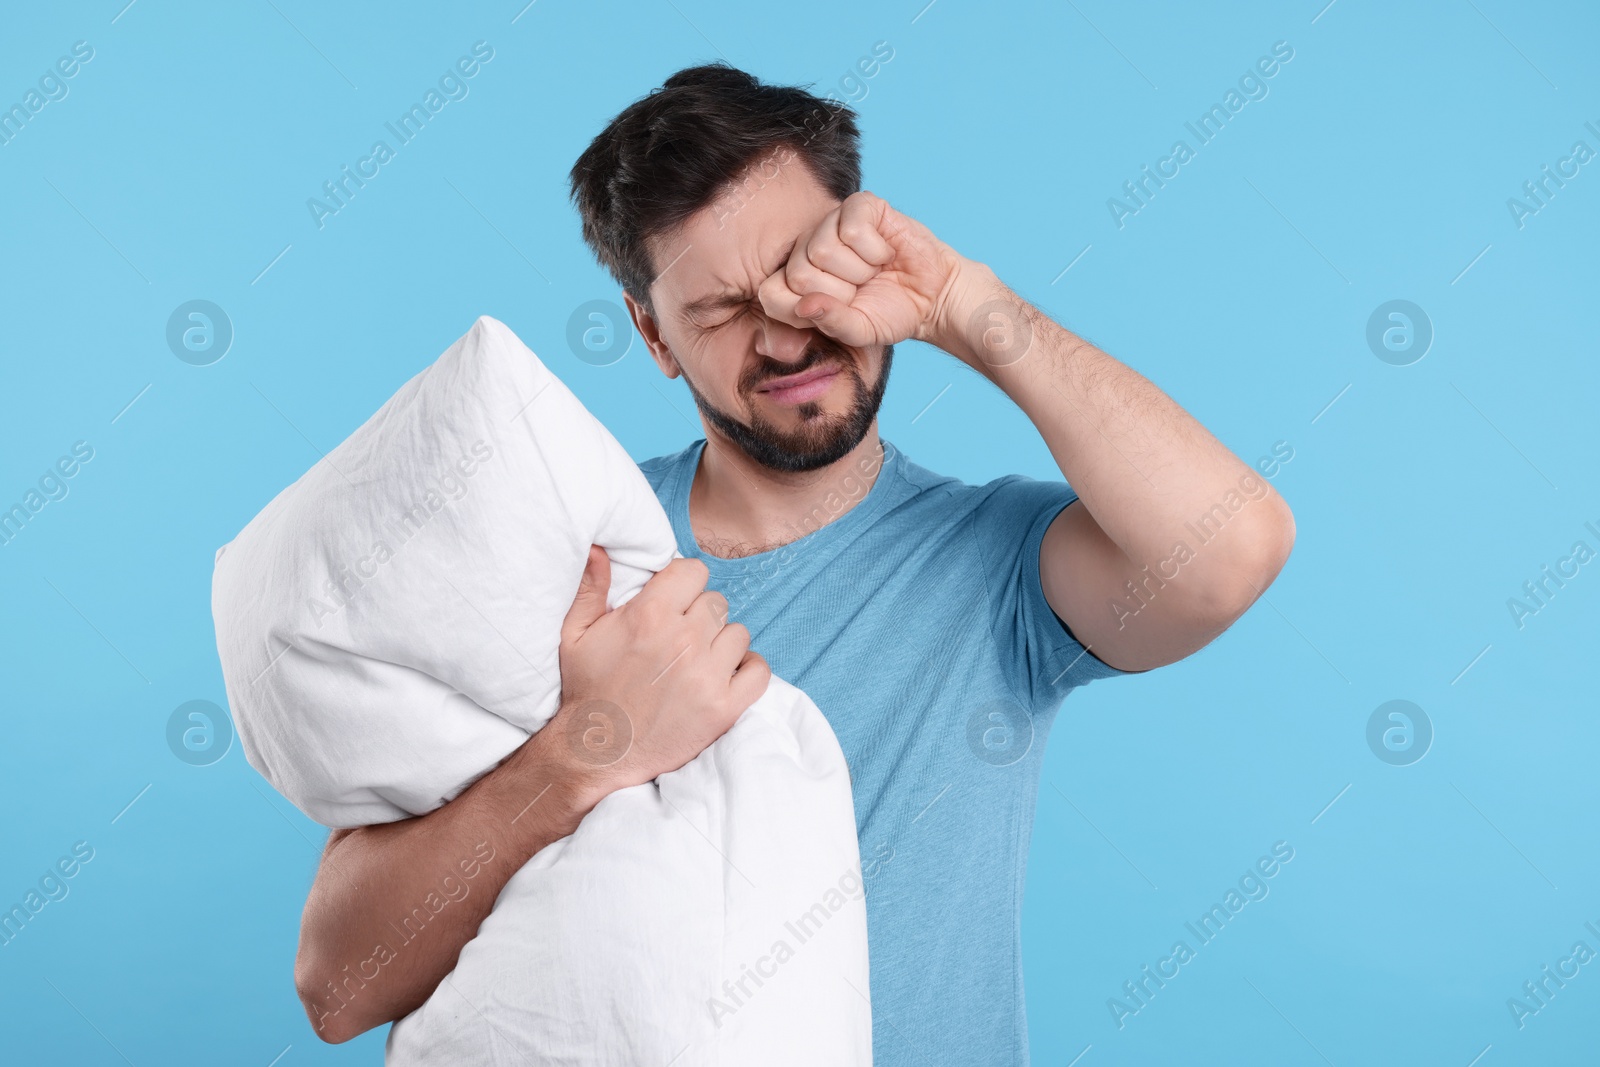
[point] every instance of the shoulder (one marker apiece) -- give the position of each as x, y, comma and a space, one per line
1008, 517
916, 485
1011, 498
1018, 494
659, 469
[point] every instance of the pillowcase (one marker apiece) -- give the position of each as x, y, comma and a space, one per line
389, 628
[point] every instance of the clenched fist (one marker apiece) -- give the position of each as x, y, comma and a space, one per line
868, 275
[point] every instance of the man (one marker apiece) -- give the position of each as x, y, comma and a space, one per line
937, 625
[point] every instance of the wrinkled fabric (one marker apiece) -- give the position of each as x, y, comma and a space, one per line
389, 628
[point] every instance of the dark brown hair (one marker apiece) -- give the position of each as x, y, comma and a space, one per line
669, 154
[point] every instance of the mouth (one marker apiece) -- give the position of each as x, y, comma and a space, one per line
799, 388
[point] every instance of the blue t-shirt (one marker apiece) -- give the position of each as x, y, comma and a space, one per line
916, 622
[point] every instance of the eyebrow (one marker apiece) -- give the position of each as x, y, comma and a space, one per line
729, 297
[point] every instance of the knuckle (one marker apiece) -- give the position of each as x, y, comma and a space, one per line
854, 230
800, 274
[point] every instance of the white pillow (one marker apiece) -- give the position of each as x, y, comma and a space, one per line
389, 630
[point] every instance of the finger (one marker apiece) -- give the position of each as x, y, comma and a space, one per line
750, 680
590, 601
674, 587
710, 608
778, 301
859, 216
730, 647
827, 252
832, 256
836, 319
804, 277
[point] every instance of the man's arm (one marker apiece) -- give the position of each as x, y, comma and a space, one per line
644, 689
1176, 537
366, 957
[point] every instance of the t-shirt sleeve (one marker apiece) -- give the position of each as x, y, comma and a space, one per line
1042, 659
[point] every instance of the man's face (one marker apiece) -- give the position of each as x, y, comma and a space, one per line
792, 399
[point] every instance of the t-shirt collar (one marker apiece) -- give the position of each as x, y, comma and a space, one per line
876, 499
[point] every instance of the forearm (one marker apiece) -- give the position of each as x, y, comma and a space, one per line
644, 689
1144, 468
393, 905
1146, 472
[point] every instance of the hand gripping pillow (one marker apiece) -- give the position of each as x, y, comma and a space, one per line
388, 628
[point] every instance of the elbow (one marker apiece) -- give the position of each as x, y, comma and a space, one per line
1271, 544
333, 1018
341, 1002
1260, 552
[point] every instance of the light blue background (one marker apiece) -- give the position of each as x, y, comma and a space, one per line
1378, 168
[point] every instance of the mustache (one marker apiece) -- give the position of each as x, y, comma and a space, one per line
769, 369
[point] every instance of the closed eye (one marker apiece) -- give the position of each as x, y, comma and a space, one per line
728, 315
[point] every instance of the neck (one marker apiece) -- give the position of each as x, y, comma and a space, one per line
738, 508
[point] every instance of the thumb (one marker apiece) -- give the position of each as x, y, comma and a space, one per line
590, 602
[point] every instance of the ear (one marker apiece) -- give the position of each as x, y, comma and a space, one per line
645, 323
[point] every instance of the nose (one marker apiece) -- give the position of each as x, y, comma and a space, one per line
780, 341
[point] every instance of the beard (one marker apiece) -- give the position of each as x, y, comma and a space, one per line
822, 437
